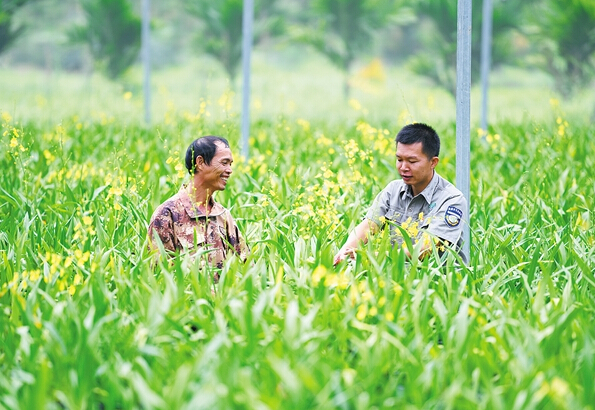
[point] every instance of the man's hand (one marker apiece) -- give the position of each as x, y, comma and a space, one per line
342, 254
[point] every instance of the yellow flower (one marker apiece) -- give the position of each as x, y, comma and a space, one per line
318, 274
127, 95
355, 104
34, 275
115, 191
331, 280
6, 117
362, 310
71, 290
181, 170
67, 261
13, 142
87, 220
78, 279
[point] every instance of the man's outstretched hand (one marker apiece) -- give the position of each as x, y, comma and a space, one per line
342, 254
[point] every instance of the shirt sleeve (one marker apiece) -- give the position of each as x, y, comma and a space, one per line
380, 206
447, 223
162, 225
235, 238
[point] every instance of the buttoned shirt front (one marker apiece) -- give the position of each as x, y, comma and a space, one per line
439, 209
182, 227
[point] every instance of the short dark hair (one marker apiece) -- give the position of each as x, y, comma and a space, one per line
418, 132
204, 147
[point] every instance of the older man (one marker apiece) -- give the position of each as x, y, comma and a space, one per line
192, 220
421, 198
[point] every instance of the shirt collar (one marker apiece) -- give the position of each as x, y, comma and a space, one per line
428, 191
193, 211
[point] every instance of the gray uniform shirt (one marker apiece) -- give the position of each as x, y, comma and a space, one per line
442, 204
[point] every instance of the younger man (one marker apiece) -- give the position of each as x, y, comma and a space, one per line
420, 197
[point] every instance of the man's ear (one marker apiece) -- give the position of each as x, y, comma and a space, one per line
434, 161
200, 161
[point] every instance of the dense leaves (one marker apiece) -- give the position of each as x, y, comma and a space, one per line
87, 322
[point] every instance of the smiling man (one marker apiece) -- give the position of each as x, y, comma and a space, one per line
428, 205
191, 220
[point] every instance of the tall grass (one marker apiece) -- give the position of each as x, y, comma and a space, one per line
87, 322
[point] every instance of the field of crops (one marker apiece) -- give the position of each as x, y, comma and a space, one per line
86, 322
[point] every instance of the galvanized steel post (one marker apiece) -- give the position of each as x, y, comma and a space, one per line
247, 20
463, 104
486, 54
146, 57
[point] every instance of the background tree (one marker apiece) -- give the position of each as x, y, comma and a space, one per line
341, 29
220, 34
565, 33
8, 33
438, 57
112, 33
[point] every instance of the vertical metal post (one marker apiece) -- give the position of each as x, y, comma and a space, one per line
463, 104
486, 53
247, 20
146, 57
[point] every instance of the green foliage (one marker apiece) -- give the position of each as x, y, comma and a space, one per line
8, 34
85, 322
566, 36
221, 32
342, 29
112, 32
437, 59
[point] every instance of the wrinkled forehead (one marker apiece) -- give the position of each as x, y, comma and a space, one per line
222, 150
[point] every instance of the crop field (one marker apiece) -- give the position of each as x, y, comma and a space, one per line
88, 321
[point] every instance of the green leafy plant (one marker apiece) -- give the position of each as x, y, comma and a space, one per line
8, 33
112, 32
342, 29
437, 59
566, 38
220, 33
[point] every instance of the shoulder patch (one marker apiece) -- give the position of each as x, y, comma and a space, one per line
453, 216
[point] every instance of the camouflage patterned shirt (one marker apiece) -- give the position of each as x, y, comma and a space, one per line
182, 227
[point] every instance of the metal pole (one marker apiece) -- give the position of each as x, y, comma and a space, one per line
463, 103
486, 53
247, 19
146, 57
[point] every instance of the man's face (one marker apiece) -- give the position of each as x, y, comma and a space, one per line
214, 176
414, 166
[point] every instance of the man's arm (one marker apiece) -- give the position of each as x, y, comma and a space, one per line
161, 226
359, 234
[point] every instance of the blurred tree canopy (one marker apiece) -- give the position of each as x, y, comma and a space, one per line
565, 32
220, 34
112, 33
437, 59
342, 29
8, 34
422, 33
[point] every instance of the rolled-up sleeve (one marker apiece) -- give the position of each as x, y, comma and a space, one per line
162, 225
